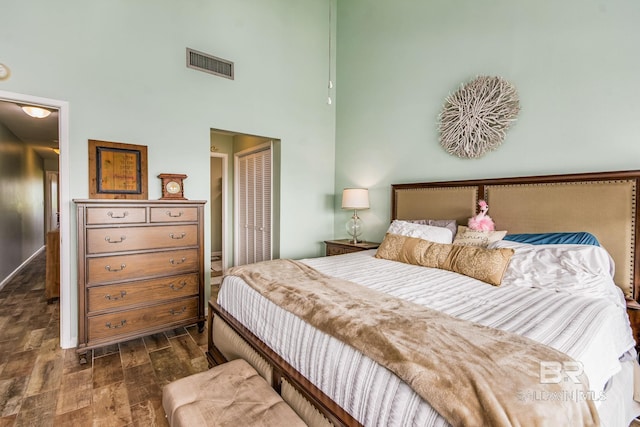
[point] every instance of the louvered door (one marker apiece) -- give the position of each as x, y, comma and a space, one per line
253, 234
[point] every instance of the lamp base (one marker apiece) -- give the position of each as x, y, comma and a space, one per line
354, 227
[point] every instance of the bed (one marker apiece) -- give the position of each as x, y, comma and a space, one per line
329, 382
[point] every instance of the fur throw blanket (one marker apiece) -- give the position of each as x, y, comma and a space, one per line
471, 374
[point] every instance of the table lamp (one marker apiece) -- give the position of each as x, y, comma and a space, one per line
355, 198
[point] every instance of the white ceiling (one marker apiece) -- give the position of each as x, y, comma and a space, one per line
41, 134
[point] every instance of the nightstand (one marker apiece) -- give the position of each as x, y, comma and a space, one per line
345, 246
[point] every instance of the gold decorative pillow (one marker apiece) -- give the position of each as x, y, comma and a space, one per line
483, 264
468, 237
479, 263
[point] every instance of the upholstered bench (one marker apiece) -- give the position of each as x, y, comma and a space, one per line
231, 394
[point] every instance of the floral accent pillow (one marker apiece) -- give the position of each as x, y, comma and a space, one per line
468, 237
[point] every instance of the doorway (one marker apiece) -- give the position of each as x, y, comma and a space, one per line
51, 201
226, 145
68, 307
218, 187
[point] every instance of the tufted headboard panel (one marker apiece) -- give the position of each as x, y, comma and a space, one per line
602, 203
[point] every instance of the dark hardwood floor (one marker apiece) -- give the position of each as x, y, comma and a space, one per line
44, 385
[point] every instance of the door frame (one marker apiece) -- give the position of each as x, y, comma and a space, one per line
68, 329
225, 188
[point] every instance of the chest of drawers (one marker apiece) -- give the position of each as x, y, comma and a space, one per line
140, 269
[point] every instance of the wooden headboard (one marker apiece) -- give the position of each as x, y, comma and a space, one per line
602, 203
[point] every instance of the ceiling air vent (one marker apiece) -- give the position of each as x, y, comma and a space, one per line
209, 64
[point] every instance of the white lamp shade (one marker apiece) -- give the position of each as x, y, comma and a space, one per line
355, 198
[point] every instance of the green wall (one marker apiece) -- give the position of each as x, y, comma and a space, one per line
575, 64
120, 64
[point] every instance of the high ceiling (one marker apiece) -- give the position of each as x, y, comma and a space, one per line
41, 134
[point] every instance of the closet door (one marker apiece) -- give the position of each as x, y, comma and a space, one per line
253, 233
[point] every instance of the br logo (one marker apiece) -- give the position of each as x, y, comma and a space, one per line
556, 372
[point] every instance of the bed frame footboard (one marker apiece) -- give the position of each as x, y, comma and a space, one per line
283, 375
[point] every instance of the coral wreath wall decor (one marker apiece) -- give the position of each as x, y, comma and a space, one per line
475, 118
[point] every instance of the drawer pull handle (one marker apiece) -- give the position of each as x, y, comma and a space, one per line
121, 325
173, 236
174, 262
122, 238
177, 312
176, 288
110, 298
108, 268
170, 214
124, 214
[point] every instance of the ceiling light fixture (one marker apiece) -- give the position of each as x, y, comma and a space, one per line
36, 112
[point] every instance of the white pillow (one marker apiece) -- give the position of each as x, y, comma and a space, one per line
584, 270
451, 224
424, 232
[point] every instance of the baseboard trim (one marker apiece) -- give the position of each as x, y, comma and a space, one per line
20, 267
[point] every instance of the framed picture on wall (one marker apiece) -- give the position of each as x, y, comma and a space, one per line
117, 170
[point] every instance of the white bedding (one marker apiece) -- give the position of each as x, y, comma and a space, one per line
594, 331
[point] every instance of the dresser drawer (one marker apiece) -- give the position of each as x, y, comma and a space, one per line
346, 246
111, 297
100, 240
340, 250
174, 214
116, 215
129, 322
130, 267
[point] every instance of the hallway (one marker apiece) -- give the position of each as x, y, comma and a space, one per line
43, 385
